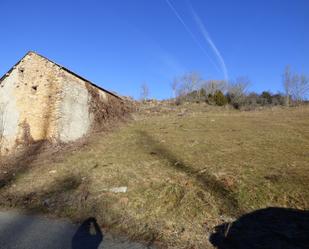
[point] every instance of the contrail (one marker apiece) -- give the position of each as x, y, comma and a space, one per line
191, 34
209, 40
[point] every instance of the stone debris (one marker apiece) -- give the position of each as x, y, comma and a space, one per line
119, 190
116, 190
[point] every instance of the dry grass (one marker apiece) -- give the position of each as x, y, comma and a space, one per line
186, 169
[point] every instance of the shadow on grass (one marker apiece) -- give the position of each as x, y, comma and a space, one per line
227, 203
274, 228
57, 195
20, 163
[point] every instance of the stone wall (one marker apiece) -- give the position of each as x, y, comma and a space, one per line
40, 100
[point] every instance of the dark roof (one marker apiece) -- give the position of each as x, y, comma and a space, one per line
62, 67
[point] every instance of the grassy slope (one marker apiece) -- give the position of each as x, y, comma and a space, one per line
185, 173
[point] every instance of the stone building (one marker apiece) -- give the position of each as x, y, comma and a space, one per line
41, 100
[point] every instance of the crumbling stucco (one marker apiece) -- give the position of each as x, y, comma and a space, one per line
74, 124
54, 103
9, 114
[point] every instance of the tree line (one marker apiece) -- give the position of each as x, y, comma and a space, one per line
191, 87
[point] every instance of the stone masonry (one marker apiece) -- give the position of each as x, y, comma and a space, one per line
41, 100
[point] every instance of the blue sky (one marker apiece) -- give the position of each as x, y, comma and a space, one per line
121, 44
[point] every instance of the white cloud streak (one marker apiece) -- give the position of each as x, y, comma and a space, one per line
191, 33
210, 42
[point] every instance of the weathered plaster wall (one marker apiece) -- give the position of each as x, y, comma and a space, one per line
42, 101
9, 114
74, 116
30, 94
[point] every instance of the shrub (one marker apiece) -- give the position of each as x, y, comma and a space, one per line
210, 99
219, 98
252, 99
278, 99
179, 100
234, 100
202, 94
266, 98
237, 92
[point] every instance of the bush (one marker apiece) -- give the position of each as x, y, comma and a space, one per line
202, 94
179, 101
219, 98
235, 100
252, 99
210, 99
278, 99
266, 98
237, 92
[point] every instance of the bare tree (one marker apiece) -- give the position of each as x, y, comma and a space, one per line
304, 86
191, 81
296, 86
144, 91
237, 91
187, 83
174, 86
213, 86
287, 84
299, 88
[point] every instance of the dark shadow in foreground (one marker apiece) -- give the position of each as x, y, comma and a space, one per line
88, 235
265, 228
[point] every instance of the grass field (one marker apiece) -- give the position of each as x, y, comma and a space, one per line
187, 170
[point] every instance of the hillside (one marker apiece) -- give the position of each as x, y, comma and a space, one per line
187, 169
